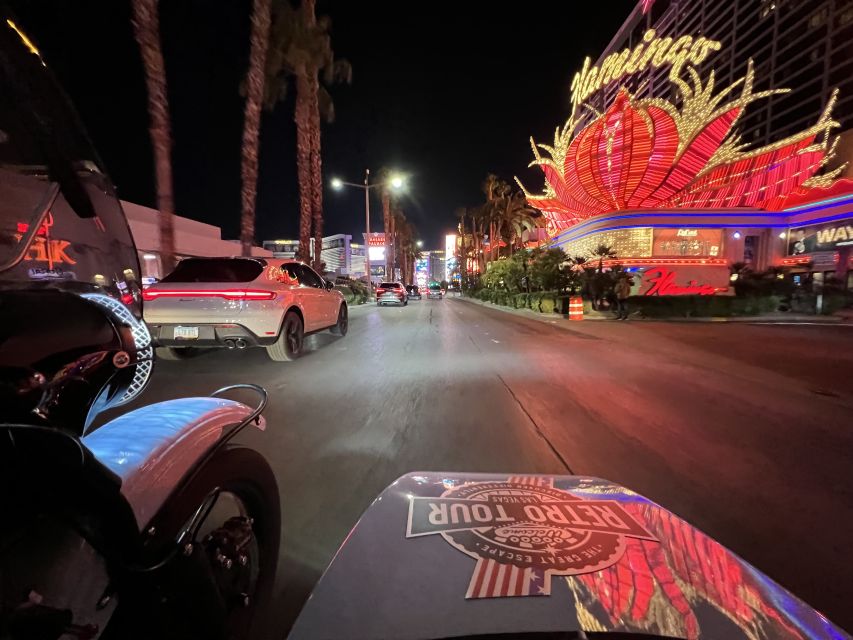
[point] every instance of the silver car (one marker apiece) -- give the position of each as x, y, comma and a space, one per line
241, 302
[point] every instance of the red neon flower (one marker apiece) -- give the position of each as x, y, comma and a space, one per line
643, 153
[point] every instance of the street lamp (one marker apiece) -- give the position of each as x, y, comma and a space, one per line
397, 182
420, 243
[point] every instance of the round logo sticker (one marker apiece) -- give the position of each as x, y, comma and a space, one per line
523, 531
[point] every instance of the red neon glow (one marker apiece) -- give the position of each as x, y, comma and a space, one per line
640, 154
663, 284
126, 298
797, 260
689, 569
641, 262
646, 5
228, 294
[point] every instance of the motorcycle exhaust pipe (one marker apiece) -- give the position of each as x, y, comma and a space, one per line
240, 343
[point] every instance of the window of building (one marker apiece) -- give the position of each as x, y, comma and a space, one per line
818, 18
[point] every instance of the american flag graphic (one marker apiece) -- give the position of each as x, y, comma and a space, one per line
493, 579
535, 481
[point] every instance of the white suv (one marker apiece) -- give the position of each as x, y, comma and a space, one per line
241, 302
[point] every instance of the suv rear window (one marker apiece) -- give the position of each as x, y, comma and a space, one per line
215, 270
389, 285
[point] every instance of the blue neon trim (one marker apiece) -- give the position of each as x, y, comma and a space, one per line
848, 197
760, 225
757, 214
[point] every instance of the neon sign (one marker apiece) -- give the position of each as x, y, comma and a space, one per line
650, 153
662, 283
651, 52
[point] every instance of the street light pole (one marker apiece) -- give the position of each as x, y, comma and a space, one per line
396, 183
367, 229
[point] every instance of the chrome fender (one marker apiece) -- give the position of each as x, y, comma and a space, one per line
154, 447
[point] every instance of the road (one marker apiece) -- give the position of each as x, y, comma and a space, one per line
743, 430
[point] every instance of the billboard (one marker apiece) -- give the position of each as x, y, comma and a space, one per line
820, 237
687, 242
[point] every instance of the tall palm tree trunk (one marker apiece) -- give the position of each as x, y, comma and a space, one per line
302, 117
316, 172
392, 246
308, 8
259, 40
146, 25
386, 219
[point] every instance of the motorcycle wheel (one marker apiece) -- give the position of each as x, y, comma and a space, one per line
194, 597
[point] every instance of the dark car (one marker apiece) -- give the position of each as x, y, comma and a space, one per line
391, 293
413, 292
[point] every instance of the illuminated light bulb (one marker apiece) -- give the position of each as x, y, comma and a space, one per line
736, 235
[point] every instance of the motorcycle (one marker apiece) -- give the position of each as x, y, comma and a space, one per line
155, 524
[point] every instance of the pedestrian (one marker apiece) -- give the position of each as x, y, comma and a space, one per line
622, 291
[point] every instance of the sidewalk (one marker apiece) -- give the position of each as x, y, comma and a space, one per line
845, 317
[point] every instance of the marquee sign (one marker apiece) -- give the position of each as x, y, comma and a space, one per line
685, 153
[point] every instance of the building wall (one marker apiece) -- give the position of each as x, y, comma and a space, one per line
804, 45
192, 239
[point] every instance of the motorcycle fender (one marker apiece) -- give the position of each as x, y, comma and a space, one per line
154, 447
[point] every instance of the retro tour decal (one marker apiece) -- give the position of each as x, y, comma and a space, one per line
523, 531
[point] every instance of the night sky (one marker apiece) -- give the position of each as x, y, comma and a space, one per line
445, 92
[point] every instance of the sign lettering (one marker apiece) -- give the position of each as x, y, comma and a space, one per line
662, 283
652, 52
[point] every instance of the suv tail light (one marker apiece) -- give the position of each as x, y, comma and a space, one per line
228, 294
378, 291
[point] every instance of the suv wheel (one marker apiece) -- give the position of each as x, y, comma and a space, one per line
340, 329
288, 346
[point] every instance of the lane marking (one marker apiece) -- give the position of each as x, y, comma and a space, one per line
495, 341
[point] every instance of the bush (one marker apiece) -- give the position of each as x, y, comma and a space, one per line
347, 292
836, 302
548, 303
703, 306
521, 301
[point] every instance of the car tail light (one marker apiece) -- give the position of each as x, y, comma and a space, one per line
378, 291
228, 294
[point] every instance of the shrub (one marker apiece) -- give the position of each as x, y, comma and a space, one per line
703, 306
548, 303
348, 293
521, 301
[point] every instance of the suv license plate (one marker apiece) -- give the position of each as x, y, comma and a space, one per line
186, 333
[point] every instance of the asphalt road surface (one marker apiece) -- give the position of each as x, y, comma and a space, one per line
744, 430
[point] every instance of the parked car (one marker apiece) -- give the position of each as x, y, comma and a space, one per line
391, 293
413, 292
435, 291
239, 303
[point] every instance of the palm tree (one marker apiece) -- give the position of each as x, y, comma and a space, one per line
517, 217
300, 47
146, 26
603, 252
462, 213
259, 39
384, 177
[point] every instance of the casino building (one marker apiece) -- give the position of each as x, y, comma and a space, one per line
709, 134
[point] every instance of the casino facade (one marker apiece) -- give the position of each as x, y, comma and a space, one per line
662, 162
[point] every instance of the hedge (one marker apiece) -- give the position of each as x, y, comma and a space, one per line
702, 306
